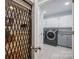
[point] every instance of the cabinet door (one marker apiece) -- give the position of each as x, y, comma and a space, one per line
62, 41
66, 21
69, 41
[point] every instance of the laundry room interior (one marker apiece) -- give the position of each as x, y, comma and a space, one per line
55, 29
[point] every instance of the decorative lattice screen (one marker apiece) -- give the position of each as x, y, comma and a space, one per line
17, 31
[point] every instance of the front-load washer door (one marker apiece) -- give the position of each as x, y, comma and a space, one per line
50, 37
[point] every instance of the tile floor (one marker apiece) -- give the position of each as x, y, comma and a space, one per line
55, 52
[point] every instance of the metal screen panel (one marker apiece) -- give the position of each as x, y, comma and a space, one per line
17, 31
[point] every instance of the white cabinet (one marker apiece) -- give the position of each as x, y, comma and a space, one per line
51, 22
66, 21
63, 21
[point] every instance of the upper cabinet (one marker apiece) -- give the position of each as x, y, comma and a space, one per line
62, 21
66, 21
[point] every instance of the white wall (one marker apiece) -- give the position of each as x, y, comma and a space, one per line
61, 21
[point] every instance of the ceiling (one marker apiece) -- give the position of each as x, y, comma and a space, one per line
50, 7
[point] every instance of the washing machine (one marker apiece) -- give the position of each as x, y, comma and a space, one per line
50, 36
